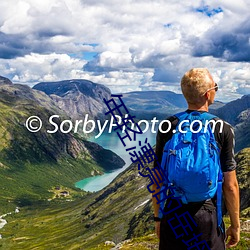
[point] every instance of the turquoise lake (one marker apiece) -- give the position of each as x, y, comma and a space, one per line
111, 141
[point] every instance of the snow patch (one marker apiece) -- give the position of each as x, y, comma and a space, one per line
141, 187
143, 203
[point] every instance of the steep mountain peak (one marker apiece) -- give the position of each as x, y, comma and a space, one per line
4, 80
77, 97
63, 88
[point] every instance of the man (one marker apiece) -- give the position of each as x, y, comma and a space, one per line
199, 90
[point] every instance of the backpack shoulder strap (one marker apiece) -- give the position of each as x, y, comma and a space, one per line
182, 115
208, 116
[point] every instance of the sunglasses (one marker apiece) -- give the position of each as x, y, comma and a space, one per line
216, 87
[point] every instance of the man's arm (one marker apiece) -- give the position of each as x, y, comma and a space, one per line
232, 200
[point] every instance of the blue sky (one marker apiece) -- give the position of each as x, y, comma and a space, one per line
126, 45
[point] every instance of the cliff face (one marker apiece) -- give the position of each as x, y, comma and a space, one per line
77, 97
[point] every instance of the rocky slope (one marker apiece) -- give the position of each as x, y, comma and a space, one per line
77, 97
243, 175
242, 130
80, 97
237, 114
4, 80
232, 110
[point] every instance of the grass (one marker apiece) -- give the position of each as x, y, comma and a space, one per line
54, 225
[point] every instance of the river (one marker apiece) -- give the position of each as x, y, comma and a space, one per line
111, 141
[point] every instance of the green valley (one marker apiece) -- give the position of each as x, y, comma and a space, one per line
32, 163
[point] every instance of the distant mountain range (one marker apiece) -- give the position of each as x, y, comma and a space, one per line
148, 104
79, 97
237, 113
160, 104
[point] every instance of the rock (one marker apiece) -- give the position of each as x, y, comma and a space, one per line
78, 97
4, 80
109, 243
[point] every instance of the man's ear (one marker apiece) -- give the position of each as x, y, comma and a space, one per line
207, 95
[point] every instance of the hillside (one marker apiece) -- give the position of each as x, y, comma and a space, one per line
123, 210
32, 163
37, 169
79, 97
243, 175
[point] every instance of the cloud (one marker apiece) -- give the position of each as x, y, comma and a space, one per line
34, 68
231, 45
139, 45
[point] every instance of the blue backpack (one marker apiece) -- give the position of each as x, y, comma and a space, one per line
191, 161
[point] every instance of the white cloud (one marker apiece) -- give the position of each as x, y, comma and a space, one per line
34, 68
140, 44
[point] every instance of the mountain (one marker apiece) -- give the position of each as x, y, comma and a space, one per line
150, 104
216, 105
80, 97
159, 104
232, 110
242, 130
237, 113
32, 163
4, 80
77, 97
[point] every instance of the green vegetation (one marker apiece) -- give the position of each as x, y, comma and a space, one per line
49, 225
57, 225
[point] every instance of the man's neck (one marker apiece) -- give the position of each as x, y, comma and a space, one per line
198, 107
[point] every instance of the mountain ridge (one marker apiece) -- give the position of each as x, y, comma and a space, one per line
58, 159
77, 97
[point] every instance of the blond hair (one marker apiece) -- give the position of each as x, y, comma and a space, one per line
195, 83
